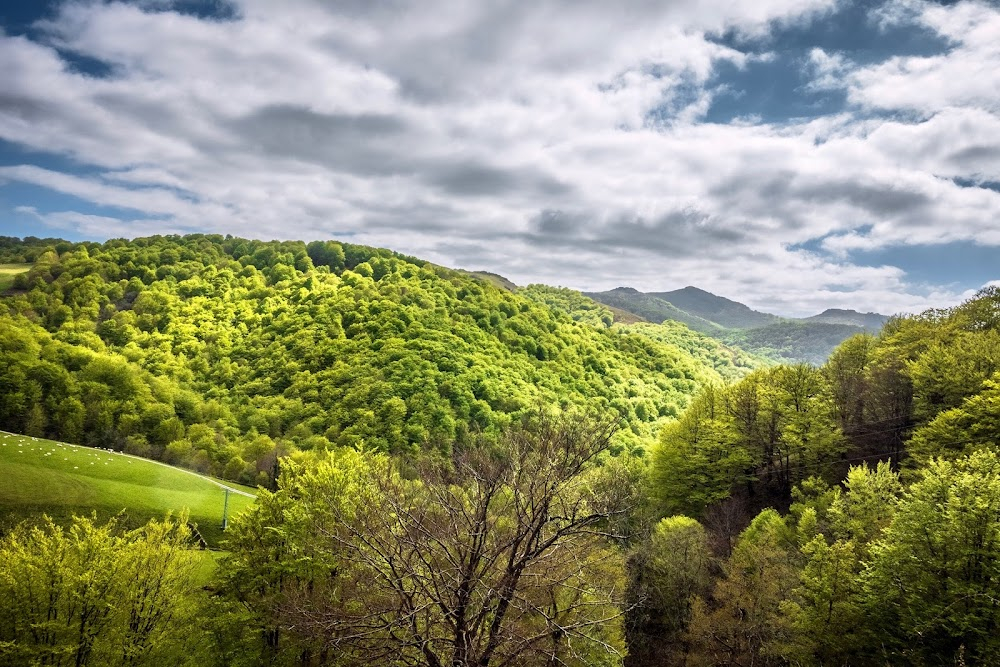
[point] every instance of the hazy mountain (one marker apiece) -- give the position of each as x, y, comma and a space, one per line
808, 339
652, 308
871, 321
720, 310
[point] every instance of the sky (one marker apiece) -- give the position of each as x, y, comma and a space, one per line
794, 155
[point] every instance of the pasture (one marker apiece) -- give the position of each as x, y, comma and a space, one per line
42, 476
7, 273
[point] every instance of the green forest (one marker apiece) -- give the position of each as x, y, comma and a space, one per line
455, 472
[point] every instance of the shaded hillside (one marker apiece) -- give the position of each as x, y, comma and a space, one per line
495, 279
869, 321
792, 341
651, 308
720, 310
731, 363
223, 353
759, 334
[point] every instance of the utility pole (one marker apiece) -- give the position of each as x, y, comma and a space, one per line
225, 509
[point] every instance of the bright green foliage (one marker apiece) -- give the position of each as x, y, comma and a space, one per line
776, 426
576, 305
730, 362
672, 569
953, 369
679, 565
867, 505
973, 425
934, 577
91, 595
696, 463
277, 549
495, 561
194, 348
824, 613
866, 573
824, 616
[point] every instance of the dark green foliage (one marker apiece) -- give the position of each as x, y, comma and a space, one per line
790, 341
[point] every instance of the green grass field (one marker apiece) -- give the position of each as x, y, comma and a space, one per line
58, 479
7, 273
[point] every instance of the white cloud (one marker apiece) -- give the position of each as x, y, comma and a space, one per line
512, 136
968, 75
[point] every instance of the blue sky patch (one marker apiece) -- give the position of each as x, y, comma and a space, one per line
965, 264
775, 88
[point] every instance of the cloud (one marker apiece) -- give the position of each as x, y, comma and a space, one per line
965, 76
556, 141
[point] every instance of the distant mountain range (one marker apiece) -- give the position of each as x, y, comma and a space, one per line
719, 310
809, 339
871, 321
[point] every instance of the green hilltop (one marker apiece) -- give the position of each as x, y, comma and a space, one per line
222, 354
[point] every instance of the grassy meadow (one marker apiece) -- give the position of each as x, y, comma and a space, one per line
7, 273
58, 479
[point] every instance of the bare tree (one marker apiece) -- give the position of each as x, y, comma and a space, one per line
502, 558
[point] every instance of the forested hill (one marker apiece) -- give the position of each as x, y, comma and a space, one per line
732, 363
725, 312
652, 308
884, 464
223, 353
811, 339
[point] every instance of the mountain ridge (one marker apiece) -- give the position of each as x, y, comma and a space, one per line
784, 339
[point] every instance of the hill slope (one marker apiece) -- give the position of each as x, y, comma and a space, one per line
870, 321
720, 310
60, 479
223, 354
731, 363
759, 334
651, 308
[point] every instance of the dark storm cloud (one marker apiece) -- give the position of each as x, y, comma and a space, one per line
673, 235
359, 143
476, 179
880, 200
383, 145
